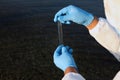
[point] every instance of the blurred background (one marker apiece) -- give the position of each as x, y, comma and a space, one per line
28, 38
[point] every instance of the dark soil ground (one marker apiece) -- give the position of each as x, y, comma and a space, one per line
28, 38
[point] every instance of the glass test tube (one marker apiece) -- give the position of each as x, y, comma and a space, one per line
60, 33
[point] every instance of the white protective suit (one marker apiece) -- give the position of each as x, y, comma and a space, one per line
106, 32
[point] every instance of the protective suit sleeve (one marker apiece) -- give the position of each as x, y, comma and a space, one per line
107, 36
73, 76
117, 77
76, 76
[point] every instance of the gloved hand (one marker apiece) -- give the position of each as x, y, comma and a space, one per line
74, 14
63, 58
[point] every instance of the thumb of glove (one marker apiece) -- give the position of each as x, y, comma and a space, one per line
64, 50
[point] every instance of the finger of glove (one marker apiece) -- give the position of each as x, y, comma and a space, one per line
58, 51
67, 47
70, 50
65, 19
64, 50
67, 22
60, 13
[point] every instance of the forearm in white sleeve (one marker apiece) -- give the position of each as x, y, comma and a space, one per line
107, 36
73, 76
117, 77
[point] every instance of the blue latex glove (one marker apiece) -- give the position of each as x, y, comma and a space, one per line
63, 57
74, 14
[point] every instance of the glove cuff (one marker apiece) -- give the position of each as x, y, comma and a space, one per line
70, 65
93, 23
70, 69
88, 19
